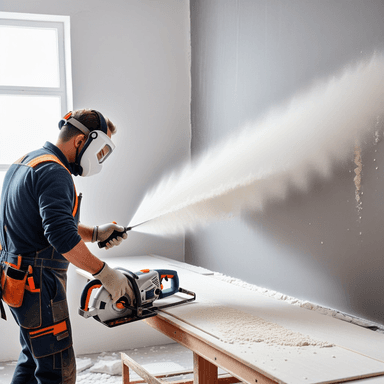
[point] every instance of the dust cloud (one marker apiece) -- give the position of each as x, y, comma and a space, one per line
305, 138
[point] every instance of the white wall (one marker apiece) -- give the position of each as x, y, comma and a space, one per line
247, 57
131, 61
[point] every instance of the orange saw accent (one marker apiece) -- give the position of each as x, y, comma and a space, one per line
89, 296
169, 276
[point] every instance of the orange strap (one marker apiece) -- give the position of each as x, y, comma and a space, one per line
19, 260
45, 158
31, 285
19, 161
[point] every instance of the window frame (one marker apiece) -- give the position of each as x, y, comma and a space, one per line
64, 91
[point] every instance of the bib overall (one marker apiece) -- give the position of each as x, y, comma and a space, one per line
34, 282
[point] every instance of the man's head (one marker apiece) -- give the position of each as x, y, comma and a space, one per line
87, 117
85, 140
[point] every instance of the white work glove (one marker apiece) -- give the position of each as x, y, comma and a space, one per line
102, 232
115, 282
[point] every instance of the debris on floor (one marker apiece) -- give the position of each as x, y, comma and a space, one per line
83, 364
106, 367
109, 366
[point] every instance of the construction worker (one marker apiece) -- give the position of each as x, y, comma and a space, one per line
40, 235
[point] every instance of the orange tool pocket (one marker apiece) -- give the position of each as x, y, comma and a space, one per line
13, 282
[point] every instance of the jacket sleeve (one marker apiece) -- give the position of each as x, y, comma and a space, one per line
55, 196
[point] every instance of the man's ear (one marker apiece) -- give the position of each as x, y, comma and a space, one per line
79, 140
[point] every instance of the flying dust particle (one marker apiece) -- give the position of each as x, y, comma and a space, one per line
379, 129
357, 179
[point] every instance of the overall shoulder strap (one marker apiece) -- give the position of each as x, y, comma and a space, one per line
52, 158
43, 159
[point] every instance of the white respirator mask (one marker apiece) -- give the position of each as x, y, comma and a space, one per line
96, 149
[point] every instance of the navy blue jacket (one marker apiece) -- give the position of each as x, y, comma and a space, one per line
38, 206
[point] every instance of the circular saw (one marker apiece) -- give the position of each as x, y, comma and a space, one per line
147, 287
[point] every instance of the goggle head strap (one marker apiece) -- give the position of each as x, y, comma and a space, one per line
103, 123
68, 119
81, 127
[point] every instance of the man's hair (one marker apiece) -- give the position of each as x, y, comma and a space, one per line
88, 118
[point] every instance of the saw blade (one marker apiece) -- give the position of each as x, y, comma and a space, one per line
107, 310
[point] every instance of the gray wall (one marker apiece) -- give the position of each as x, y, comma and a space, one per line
131, 61
248, 56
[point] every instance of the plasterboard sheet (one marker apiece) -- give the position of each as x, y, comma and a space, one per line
298, 319
288, 365
320, 326
357, 353
292, 317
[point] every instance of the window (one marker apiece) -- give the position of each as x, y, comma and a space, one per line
35, 82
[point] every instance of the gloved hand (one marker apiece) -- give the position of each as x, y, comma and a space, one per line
115, 282
102, 232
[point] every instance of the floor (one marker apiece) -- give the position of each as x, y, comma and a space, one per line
94, 367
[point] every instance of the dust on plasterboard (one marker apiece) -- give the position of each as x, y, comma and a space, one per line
233, 326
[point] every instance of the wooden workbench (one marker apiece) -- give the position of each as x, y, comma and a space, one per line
357, 354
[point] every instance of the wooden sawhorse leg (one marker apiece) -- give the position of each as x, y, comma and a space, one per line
204, 372
129, 363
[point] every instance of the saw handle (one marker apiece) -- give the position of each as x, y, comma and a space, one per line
168, 274
86, 294
114, 235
